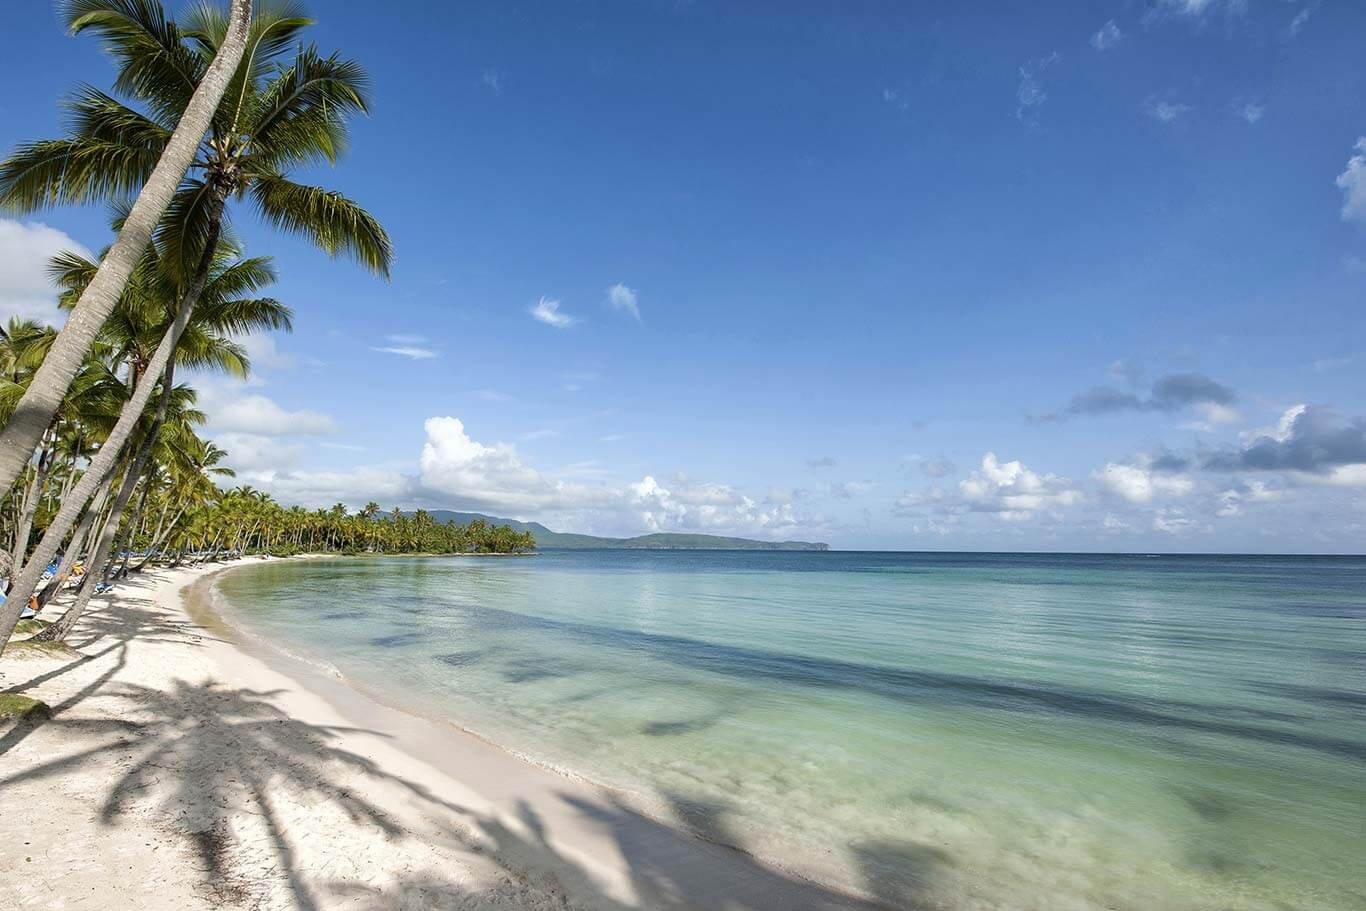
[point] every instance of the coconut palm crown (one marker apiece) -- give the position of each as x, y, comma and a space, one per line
286, 107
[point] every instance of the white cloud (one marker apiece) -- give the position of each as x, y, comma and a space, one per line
1166, 111
25, 289
1253, 491
623, 298
409, 351
250, 452
1173, 521
1301, 19
1282, 431
494, 80
547, 311
264, 354
1107, 37
1200, 7
259, 415
1012, 491
491, 476
1352, 182
1251, 111
1031, 94
404, 339
1137, 484
459, 472
492, 395
706, 508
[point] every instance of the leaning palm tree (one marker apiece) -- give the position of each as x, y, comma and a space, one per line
144, 314
85, 167
279, 114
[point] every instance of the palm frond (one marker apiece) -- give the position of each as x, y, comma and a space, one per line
329, 219
155, 64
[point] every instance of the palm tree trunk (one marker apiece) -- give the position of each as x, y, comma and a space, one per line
158, 539
44, 395
27, 579
32, 495
77, 544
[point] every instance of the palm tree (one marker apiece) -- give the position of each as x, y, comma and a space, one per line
84, 167
277, 115
145, 309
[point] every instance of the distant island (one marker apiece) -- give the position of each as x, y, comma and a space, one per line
554, 539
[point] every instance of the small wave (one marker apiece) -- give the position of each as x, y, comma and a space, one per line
231, 618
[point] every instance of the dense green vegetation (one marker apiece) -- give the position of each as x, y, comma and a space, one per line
249, 521
661, 541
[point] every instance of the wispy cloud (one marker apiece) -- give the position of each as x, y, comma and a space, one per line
624, 298
411, 352
1166, 111
547, 311
1030, 94
494, 80
492, 395
409, 346
893, 97
1250, 111
822, 462
1107, 37
1302, 19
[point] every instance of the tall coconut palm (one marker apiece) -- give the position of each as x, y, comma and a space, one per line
85, 167
144, 312
277, 115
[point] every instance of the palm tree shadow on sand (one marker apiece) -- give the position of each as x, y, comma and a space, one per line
211, 761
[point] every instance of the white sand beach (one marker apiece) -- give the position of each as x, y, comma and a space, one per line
178, 770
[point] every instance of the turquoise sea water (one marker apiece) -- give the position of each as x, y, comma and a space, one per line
964, 731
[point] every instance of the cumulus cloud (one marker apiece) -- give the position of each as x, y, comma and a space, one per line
1308, 439
623, 298
822, 462
489, 476
1031, 95
1140, 484
456, 471
706, 508
26, 291
1169, 393
1352, 183
1010, 491
547, 311
1107, 37
262, 416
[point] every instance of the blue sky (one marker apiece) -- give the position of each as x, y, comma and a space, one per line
987, 276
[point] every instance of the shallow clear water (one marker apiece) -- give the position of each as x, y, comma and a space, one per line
962, 731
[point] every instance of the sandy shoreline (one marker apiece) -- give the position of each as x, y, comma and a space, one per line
181, 770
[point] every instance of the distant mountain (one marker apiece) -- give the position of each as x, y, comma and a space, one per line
547, 538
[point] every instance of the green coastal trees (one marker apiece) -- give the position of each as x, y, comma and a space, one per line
89, 167
277, 114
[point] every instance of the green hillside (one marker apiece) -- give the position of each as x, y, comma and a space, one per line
545, 538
